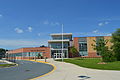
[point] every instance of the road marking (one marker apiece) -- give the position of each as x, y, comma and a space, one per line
54, 68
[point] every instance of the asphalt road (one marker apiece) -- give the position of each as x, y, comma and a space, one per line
26, 70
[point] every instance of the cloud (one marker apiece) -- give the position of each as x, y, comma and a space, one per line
51, 23
106, 22
1, 15
55, 23
18, 30
95, 31
29, 29
103, 23
46, 22
17, 43
100, 24
43, 34
109, 34
39, 34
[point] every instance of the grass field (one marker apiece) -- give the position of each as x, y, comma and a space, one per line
93, 63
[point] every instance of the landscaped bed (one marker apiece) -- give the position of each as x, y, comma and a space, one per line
6, 65
93, 63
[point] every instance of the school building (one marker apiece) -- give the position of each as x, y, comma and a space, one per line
54, 49
29, 53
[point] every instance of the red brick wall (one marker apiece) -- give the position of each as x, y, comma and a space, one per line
75, 43
45, 50
20, 50
91, 51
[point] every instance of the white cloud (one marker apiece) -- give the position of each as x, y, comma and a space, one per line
18, 30
103, 23
100, 24
39, 34
55, 23
95, 31
109, 34
1, 15
106, 22
30, 29
21, 43
43, 34
51, 23
46, 22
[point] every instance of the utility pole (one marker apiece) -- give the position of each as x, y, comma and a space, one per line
62, 44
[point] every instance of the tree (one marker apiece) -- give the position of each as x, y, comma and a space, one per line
42, 46
2, 52
102, 49
116, 44
73, 51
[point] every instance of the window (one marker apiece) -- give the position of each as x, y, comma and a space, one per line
59, 45
83, 46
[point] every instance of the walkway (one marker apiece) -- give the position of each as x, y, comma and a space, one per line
67, 71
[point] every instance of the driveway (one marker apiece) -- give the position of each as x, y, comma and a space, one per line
25, 70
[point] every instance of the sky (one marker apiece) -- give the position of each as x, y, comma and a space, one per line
29, 23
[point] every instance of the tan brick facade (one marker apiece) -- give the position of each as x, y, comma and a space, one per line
109, 44
91, 51
90, 40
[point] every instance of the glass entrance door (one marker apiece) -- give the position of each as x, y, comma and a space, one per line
57, 55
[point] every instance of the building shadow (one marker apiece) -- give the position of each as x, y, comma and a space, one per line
83, 77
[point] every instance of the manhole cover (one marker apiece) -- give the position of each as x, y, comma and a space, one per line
27, 70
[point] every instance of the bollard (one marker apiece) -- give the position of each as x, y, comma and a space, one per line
45, 59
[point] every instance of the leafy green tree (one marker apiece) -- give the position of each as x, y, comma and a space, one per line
102, 49
116, 44
73, 51
39, 55
2, 52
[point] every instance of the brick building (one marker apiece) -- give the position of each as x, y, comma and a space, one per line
29, 53
55, 44
84, 45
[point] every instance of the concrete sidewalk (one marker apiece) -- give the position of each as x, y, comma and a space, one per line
67, 71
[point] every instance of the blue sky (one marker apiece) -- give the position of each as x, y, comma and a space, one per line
28, 23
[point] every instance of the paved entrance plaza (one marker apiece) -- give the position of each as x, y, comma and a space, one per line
67, 71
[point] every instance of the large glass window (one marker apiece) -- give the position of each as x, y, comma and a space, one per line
60, 37
59, 45
83, 46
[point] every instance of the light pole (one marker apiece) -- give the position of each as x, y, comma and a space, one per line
62, 44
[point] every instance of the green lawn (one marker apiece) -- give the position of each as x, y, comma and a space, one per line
7, 65
92, 63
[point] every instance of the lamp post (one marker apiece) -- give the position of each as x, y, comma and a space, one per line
62, 44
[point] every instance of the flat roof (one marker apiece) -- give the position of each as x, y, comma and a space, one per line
66, 40
59, 34
27, 48
91, 36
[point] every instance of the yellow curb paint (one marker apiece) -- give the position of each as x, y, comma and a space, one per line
54, 68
